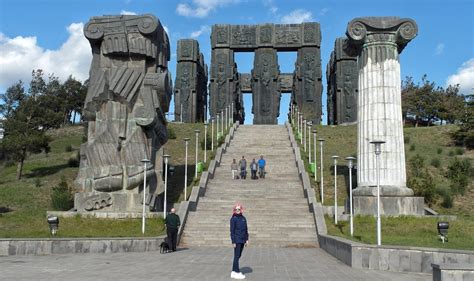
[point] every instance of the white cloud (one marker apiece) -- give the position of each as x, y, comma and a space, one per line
20, 55
271, 6
123, 12
464, 77
439, 49
297, 16
323, 11
204, 29
201, 8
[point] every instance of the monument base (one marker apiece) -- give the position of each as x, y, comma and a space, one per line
110, 202
389, 206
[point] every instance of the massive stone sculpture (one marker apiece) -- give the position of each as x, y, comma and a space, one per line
266, 87
342, 77
129, 91
378, 42
267, 39
190, 89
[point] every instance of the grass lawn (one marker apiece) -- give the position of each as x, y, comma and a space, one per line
407, 231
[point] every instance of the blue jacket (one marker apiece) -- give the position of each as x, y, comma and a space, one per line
238, 229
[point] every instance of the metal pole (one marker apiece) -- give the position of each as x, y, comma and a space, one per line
315, 162
181, 114
309, 142
321, 141
212, 133
186, 141
166, 184
197, 149
301, 128
351, 215
205, 142
335, 188
222, 122
377, 151
232, 113
217, 129
144, 161
304, 134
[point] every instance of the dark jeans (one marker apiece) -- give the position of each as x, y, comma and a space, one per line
254, 174
261, 171
172, 237
239, 247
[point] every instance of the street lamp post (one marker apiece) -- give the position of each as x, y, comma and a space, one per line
304, 134
335, 187
301, 128
321, 141
378, 150
166, 156
186, 141
315, 162
212, 133
217, 129
205, 141
310, 124
222, 122
145, 161
181, 114
350, 161
197, 149
232, 113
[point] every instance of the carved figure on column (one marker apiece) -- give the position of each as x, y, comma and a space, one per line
129, 92
378, 42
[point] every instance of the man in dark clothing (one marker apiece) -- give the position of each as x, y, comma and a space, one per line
172, 223
243, 168
253, 169
240, 238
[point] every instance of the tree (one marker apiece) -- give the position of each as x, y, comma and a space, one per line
452, 105
11, 99
74, 92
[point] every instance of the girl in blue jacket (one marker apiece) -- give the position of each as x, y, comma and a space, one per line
239, 236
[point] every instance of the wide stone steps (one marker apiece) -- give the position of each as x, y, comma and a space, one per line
277, 212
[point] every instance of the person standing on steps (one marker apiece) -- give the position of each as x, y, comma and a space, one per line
240, 238
243, 168
261, 166
234, 168
253, 169
172, 223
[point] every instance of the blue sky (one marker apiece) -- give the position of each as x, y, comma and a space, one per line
47, 34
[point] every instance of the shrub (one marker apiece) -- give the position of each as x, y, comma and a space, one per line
435, 162
451, 153
68, 148
439, 150
416, 163
406, 139
74, 161
448, 200
208, 142
171, 134
9, 163
423, 185
37, 182
458, 174
459, 151
61, 197
412, 147
220, 140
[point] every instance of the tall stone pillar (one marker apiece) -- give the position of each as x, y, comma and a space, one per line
378, 42
222, 89
266, 87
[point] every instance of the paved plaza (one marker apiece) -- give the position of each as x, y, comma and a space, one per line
200, 263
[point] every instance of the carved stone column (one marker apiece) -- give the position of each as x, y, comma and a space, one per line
378, 42
266, 87
222, 89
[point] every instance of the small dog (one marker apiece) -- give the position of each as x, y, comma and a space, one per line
164, 246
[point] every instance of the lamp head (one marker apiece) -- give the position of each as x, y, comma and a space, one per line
145, 160
378, 146
350, 161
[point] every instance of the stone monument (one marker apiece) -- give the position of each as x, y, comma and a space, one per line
342, 75
190, 90
266, 40
378, 41
129, 92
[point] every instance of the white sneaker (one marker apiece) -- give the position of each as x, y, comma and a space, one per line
239, 275
233, 274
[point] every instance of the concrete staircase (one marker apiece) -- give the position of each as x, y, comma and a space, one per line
277, 212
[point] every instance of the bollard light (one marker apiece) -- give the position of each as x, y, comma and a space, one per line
53, 223
186, 142
443, 227
335, 187
377, 151
350, 162
166, 157
321, 141
145, 161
